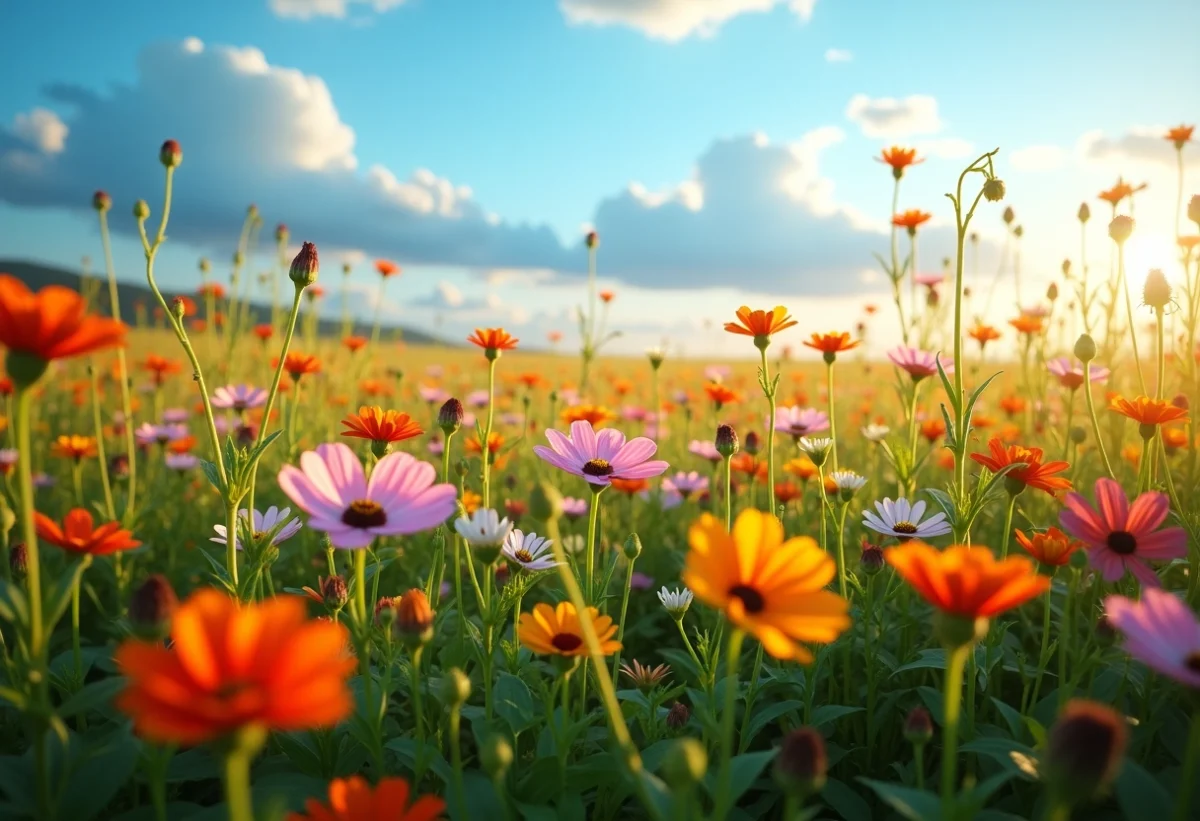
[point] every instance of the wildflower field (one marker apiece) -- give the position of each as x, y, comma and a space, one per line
252, 572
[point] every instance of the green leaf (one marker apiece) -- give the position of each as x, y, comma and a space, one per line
1012, 755
946, 385
934, 659
92, 696
213, 475
845, 801
915, 805
514, 703
769, 714
829, 713
943, 500
1140, 795
744, 770
975, 394
96, 775
60, 593
1011, 717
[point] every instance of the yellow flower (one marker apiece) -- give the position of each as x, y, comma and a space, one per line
556, 631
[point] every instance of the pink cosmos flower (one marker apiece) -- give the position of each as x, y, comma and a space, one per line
1070, 372
239, 397
574, 508
919, 364
800, 421
705, 449
1121, 537
600, 457
400, 497
634, 413
1161, 632
687, 484
432, 394
929, 280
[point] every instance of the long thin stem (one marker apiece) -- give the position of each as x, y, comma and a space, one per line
1091, 406
833, 451
733, 653
122, 371
237, 786
1124, 287
956, 662
769, 390
1191, 763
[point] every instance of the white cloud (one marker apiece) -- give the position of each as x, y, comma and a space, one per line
672, 20
1036, 158
42, 129
888, 117
838, 55
451, 296
308, 9
1140, 145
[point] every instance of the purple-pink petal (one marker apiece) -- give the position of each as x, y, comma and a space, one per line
563, 446
583, 436
1114, 507
1081, 520
559, 461
635, 451
293, 482
643, 471
1162, 545
1147, 512
609, 443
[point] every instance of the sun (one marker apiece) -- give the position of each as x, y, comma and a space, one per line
1143, 253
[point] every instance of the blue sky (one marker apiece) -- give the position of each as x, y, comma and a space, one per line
474, 141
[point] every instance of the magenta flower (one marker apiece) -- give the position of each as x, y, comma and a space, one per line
1070, 372
1161, 632
686, 484
919, 364
800, 421
239, 397
601, 457
574, 508
930, 280
1121, 537
400, 497
705, 449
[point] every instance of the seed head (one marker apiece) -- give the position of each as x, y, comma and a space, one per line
1009, 215
18, 560
726, 441
993, 190
306, 266
801, 764
152, 607
678, 716
1157, 291
1052, 291
334, 592
1121, 228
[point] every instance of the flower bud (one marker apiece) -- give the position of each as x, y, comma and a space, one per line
918, 726
170, 155
632, 547
1052, 291
346, 268
1078, 434
871, 561
1018, 232
726, 440
414, 618
101, 201
685, 764
141, 210
1193, 211
1157, 291
334, 592
205, 266
1180, 401
753, 445
1085, 348
1106, 633
678, 716
450, 417
956, 631
281, 234
496, 755
993, 190
18, 560
1121, 228
462, 468
1085, 213
801, 765
456, 687
1084, 750
592, 239
305, 266
545, 502
152, 607
178, 308
1066, 268
1009, 215
118, 466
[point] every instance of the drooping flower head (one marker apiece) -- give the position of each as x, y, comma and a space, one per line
78, 534
1161, 632
601, 457
761, 325
556, 630
354, 799
902, 519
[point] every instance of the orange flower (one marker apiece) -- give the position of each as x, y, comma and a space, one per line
606, 296
1148, 412
983, 334
1118, 192
234, 665
596, 415
1180, 135
378, 425
630, 486
556, 630
386, 268
353, 799
493, 340
832, 342
183, 445
899, 159
760, 324
1174, 438
967, 581
786, 492
51, 324
375, 387
911, 219
933, 429
721, 394
77, 534
802, 468
1053, 547
74, 447
471, 501
1027, 324
161, 367
1012, 404
298, 364
1189, 243
495, 442
263, 331
211, 289
354, 344
1132, 454
554, 337
1034, 474
531, 379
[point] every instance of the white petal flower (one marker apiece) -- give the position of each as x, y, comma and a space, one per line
675, 602
816, 446
848, 480
484, 528
274, 523
902, 520
528, 550
876, 433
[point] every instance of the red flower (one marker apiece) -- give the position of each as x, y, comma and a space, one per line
911, 219
51, 324
78, 536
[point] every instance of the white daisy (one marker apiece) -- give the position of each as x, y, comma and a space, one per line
528, 550
876, 433
675, 602
848, 482
274, 523
817, 447
902, 519
484, 528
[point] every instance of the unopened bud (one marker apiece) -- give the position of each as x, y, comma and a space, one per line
1121, 228
1180, 401
685, 764
152, 607
1084, 750
632, 547
678, 716
726, 440
871, 561
993, 190
281, 234
752, 443
801, 765
1066, 268
1157, 291
1194, 209
450, 417
306, 266
1052, 291
456, 687
1085, 348
205, 265
1078, 436
918, 726
18, 560
496, 755
101, 201
170, 155
141, 210
334, 592
414, 618
592, 239
1085, 213
1009, 215
462, 468
178, 308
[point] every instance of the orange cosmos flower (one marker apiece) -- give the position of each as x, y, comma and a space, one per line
211, 289
234, 665
933, 429
1027, 324
531, 379
606, 296
983, 334
760, 324
967, 582
354, 344
802, 468
832, 342
471, 501
596, 415
911, 219
786, 492
298, 364
554, 337
495, 441
721, 394
899, 159
74, 447
183, 445
51, 324
1148, 412
353, 799
1174, 438
386, 268
1118, 192
160, 367
263, 332
1034, 474
378, 425
77, 534
1052, 547
493, 340
1180, 135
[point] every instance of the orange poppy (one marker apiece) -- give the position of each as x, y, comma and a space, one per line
721, 394
298, 364
78, 535
386, 268
1035, 474
493, 340
606, 296
911, 219
74, 447
232, 665
354, 344
983, 334
51, 324
832, 342
353, 799
378, 425
967, 581
1147, 411
1053, 547
1180, 135
760, 324
899, 159
1027, 324
595, 415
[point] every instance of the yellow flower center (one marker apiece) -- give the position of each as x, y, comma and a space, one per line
523, 556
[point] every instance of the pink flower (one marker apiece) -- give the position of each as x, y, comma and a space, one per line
800, 421
919, 364
1120, 537
1161, 632
686, 484
705, 449
1070, 373
929, 280
400, 497
600, 457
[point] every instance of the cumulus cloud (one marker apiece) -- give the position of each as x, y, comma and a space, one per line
673, 20
1036, 158
308, 9
838, 55
251, 132
889, 117
1141, 144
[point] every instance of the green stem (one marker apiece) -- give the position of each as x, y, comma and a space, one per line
957, 658
1006, 537
769, 390
485, 449
1091, 406
122, 372
415, 684
101, 457
743, 735
621, 623
456, 759
1191, 764
725, 774
76, 649
728, 494
237, 785
1124, 286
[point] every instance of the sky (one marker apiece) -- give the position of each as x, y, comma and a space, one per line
721, 148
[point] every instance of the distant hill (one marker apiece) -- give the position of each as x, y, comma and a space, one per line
37, 275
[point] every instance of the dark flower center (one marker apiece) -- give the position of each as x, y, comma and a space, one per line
363, 513
257, 536
751, 599
598, 467
907, 528
1122, 542
523, 556
1192, 662
566, 642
